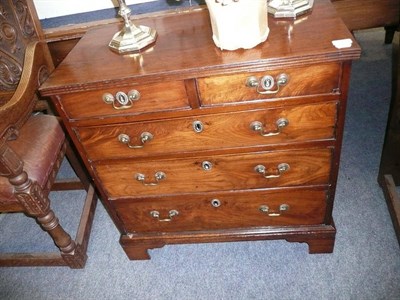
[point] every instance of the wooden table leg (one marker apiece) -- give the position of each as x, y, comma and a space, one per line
389, 171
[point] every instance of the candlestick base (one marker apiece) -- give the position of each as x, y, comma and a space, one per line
289, 8
133, 39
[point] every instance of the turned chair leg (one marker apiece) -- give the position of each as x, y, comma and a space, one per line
31, 197
36, 204
49, 223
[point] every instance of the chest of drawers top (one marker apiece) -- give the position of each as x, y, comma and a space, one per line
184, 49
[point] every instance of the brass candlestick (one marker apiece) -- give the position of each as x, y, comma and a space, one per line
131, 38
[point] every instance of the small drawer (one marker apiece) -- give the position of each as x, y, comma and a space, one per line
126, 100
241, 129
269, 85
124, 178
228, 210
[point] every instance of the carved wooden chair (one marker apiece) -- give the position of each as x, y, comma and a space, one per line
32, 146
19, 25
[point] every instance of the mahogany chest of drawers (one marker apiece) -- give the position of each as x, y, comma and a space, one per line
187, 143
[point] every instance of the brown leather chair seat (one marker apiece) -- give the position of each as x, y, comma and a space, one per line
41, 134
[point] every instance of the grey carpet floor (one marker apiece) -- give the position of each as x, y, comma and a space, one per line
365, 263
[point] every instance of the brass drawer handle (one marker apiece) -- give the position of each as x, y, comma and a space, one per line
158, 176
259, 127
282, 168
126, 139
266, 83
121, 99
282, 208
156, 214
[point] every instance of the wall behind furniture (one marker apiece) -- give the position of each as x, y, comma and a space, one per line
56, 8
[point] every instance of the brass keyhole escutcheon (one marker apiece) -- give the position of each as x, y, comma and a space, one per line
198, 126
267, 82
206, 165
215, 202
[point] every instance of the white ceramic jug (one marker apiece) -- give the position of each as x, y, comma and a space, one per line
238, 23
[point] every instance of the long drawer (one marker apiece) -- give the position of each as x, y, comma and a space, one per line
222, 210
124, 178
241, 129
126, 100
270, 85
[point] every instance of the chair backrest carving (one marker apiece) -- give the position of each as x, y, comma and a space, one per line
18, 27
25, 63
37, 66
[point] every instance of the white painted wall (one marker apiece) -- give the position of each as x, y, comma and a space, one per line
56, 8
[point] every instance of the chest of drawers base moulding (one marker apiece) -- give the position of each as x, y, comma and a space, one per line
320, 239
190, 144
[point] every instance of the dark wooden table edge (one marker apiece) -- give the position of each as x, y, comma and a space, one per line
393, 201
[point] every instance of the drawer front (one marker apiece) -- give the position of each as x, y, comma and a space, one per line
125, 178
307, 122
223, 210
304, 81
125, 101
